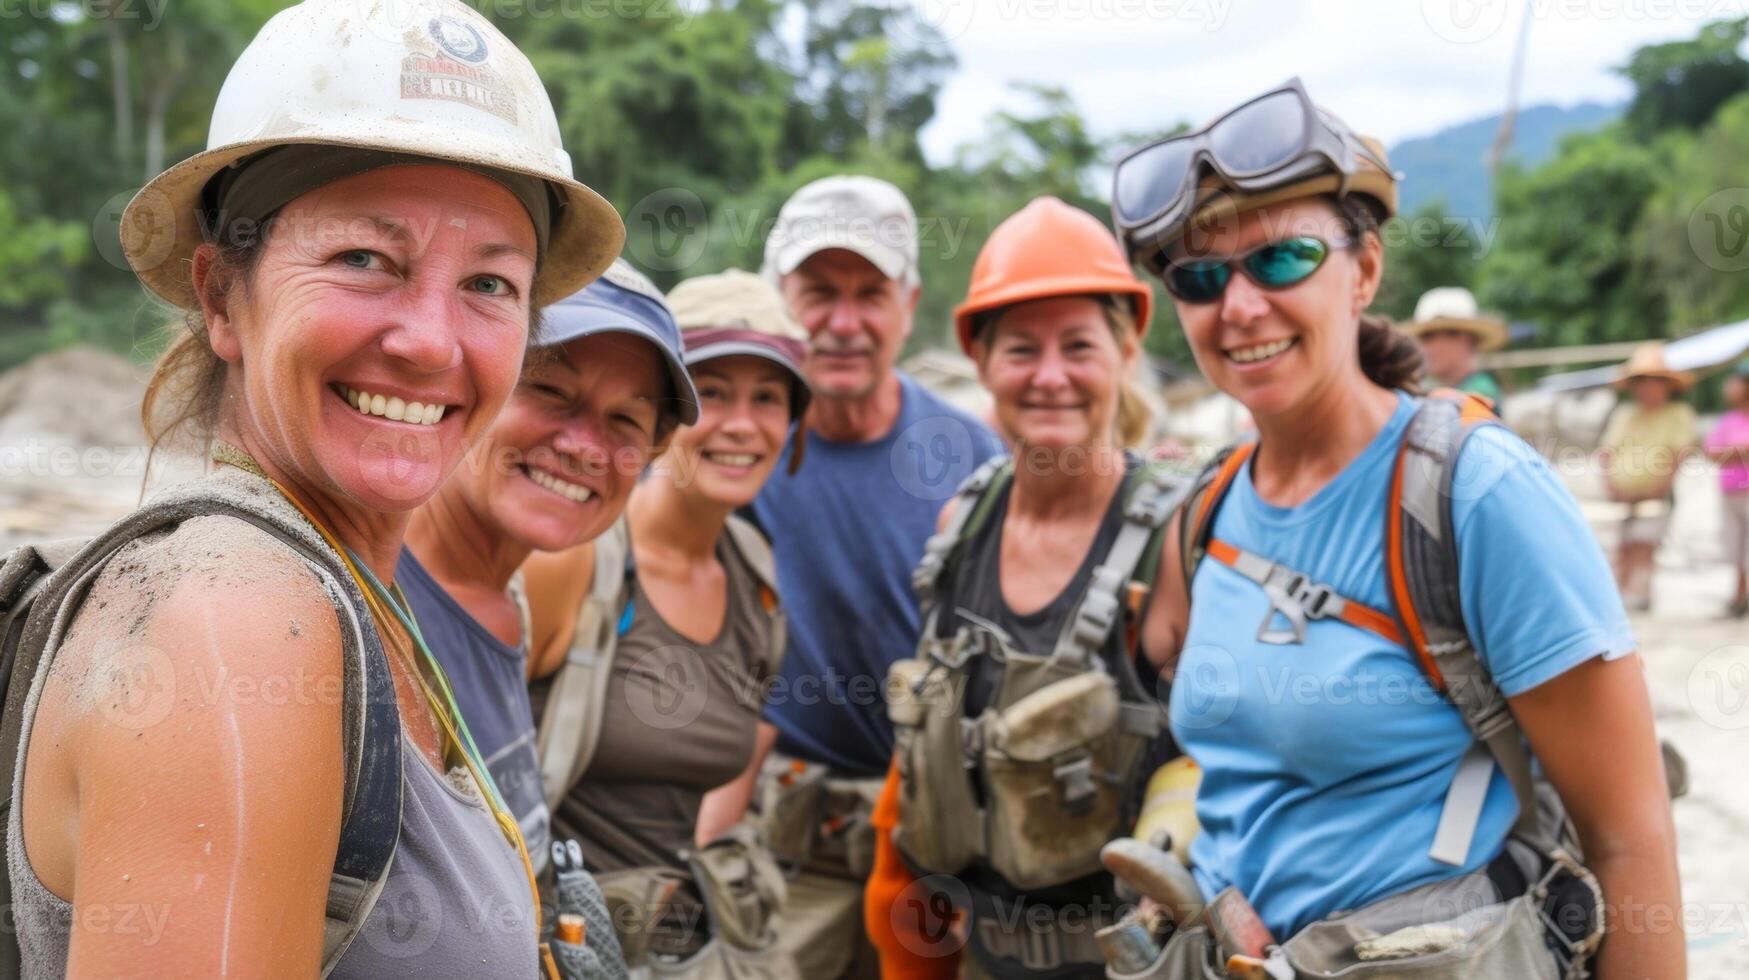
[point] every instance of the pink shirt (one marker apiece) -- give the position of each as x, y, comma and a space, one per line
1732, 431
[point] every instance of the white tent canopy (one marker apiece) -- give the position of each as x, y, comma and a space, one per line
1697, 352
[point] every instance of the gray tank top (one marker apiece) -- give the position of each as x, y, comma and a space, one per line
455, 906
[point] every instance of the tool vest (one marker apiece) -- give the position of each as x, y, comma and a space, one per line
1041, 778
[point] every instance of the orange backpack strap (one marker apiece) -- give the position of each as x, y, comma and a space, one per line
1297, 598
1205, 498
1421, 563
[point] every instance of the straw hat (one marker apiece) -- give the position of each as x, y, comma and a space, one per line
1648, 362
1454, 308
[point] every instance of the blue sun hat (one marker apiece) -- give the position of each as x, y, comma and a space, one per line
624, 300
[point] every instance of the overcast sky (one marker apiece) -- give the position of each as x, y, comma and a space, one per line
1390, 68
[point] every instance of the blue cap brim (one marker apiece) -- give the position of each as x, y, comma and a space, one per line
565, 322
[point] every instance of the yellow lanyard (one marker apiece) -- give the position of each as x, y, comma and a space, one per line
386, 612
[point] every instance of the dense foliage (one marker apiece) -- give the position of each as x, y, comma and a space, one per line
697, 118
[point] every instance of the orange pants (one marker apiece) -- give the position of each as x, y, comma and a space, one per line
904, 931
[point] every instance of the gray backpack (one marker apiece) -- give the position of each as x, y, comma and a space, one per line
42, 587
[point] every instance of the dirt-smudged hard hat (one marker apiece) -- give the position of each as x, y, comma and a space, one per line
431, 80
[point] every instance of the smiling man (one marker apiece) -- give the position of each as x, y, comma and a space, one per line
884, 454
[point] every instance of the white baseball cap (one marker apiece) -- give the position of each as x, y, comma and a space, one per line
865, 215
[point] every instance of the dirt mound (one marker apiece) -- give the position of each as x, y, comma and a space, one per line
80, 395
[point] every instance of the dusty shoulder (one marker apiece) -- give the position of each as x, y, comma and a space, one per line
211, 601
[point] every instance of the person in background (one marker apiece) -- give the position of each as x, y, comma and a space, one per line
1728, 445
1641, 452
1053, 318
1452, 332
596, 401
682, 733
884, 454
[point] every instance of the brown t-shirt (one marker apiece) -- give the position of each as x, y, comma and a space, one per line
680, 721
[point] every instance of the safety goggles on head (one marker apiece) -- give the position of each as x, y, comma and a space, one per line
1274, 139
1272, 265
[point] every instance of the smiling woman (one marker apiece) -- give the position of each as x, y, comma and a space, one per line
681, 733
599, 400
359, 269
1483, 594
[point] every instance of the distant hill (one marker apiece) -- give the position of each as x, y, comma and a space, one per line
1448, 164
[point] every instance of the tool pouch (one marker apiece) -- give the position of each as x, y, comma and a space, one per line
742, 886
940, 827
1448, 930
637, 899
791, 798
1056, 769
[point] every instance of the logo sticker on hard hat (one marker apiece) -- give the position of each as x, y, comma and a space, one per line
460, 41
454, 74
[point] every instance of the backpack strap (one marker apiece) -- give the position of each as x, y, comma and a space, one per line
750, 543
1206, 494
1421, 566
972, 504
44, 586
1298, 598
1120, 583
570, 724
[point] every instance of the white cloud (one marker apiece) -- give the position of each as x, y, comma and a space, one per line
1391, 68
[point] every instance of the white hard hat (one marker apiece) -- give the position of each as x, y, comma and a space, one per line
431, 78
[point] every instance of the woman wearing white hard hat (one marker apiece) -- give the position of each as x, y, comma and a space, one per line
1452, 332
232, 720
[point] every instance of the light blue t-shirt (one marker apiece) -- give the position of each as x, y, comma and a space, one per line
1325, 765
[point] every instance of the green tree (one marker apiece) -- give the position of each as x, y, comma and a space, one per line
1681, 84
1565, 256
1694, 234
1423, 250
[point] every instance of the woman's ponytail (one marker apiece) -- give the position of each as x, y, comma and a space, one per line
1389, 358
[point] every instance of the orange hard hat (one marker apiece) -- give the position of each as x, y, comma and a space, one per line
1048, 249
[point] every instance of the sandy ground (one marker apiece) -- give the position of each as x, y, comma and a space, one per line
60, 476
1698, 666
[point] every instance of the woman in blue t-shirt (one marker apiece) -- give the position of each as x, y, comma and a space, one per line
599, 397
1327, 755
